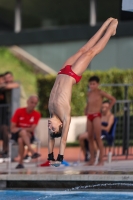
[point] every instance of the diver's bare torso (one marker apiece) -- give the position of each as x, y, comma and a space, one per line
60, 96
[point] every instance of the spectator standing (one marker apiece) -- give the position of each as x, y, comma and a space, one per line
23, 124
2, 92
4, 136
4, 129
11, 84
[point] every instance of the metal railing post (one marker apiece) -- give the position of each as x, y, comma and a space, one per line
128, 129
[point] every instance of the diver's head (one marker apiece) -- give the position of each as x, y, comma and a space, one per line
55, 127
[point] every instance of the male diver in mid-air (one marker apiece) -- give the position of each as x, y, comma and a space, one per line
71, 73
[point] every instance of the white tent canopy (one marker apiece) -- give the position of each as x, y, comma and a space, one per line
127, 5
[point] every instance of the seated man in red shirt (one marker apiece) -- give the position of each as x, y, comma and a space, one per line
23, 124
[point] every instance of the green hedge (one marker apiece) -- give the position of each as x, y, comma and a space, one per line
45, 84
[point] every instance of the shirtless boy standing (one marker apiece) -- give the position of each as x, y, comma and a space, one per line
93, 112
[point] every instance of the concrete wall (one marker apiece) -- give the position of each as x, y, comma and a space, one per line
118, 53
77, 126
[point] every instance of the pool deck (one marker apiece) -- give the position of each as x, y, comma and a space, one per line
67, 177
77, 174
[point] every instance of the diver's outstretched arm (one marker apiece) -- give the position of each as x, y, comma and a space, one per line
63, 141
51, 142
65, 129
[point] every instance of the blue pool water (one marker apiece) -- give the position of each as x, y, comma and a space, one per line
63, 195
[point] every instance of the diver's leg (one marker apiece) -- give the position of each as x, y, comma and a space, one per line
89, 44
83, 61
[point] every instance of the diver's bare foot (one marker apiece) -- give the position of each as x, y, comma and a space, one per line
91, 162
108, 21
100, 163
113, 25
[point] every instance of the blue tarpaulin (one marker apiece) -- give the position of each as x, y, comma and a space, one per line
127, 5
